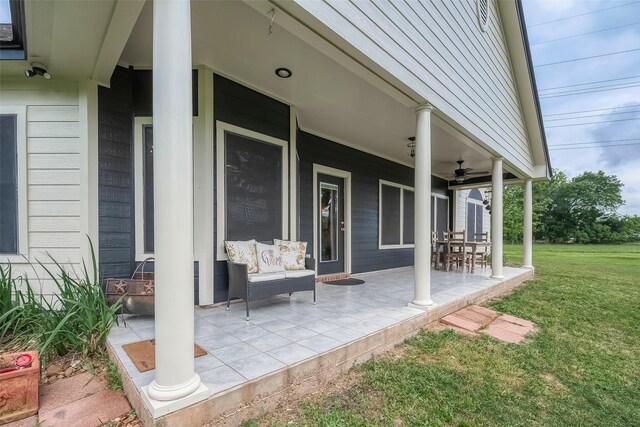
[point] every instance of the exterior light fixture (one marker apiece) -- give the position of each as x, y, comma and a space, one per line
283, 73
412, 146
37, 70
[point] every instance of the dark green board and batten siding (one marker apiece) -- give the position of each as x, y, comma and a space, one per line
366, 171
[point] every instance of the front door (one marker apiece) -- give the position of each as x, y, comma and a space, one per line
330, 224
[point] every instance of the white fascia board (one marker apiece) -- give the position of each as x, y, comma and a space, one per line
124, 18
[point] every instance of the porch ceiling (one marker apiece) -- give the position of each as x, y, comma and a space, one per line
232, 38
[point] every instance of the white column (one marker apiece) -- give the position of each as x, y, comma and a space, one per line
173, 203
527, 239
496, 220
422, 239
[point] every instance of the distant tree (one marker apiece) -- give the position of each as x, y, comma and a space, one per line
583, 209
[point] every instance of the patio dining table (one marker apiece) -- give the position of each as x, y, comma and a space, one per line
460, 244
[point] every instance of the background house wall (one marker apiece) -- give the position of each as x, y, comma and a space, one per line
53, 168
460, 222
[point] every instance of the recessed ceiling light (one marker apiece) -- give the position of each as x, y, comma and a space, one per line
283, 73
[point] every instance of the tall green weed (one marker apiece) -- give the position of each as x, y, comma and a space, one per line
76, 319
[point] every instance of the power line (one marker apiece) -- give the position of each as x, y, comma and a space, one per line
583, 34
591, 115
582, 14
591, 123
594, 142
595, 146
590, 111
583, 92
586, 57
594, 88
589, 83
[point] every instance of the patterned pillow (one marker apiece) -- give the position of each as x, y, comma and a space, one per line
269, 259
293, 253
243, 252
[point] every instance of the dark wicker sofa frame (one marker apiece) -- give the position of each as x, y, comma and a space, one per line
240, 287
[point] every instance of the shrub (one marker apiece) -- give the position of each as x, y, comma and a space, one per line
76, 319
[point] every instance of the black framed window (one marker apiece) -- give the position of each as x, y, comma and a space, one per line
8, 184
253, 189
12, 30
396, 227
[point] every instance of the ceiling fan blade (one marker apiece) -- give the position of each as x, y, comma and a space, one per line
478, 173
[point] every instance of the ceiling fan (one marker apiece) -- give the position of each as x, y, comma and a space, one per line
461, 173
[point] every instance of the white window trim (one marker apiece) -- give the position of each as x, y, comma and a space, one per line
382, 182
21, 175
138, 155
221, 128
435, 211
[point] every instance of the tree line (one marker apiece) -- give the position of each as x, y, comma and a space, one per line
583, 209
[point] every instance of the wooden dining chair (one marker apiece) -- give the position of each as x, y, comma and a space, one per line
435, 258
481, 253
454, 253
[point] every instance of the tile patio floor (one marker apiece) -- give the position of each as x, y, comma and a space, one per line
285, 331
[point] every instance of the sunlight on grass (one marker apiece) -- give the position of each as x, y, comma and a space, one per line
581, 368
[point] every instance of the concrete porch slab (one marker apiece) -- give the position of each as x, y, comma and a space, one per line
290, 346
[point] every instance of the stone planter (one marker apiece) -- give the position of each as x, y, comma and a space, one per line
18, 386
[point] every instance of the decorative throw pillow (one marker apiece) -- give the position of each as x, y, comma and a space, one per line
293, 253
243, 252
269, 259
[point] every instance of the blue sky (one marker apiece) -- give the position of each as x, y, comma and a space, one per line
5, 13
615, 103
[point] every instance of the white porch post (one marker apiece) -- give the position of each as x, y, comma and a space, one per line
496, 220
173, 204
527, 238
422, 240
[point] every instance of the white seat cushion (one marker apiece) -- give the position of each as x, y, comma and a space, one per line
299, 273
265, 277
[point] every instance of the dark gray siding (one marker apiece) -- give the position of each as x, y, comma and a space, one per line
240, 106
129, 95
366, 171
115, 176
142, 90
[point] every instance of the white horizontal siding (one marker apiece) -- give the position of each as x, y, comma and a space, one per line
53, 178
461, 210
437, 49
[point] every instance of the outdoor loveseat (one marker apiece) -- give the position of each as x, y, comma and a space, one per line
253, 286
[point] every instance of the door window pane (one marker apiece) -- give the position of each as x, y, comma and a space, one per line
390, 215
329, 197
8, 184
253, 189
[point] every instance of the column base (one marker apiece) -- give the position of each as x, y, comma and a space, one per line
497, 276
158, 408
421, 304
530, 267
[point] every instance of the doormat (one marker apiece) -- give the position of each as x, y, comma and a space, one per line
143, 354
345, 282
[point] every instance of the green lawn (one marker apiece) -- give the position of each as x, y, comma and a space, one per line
581, 369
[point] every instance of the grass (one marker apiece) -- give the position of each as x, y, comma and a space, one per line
580, 369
